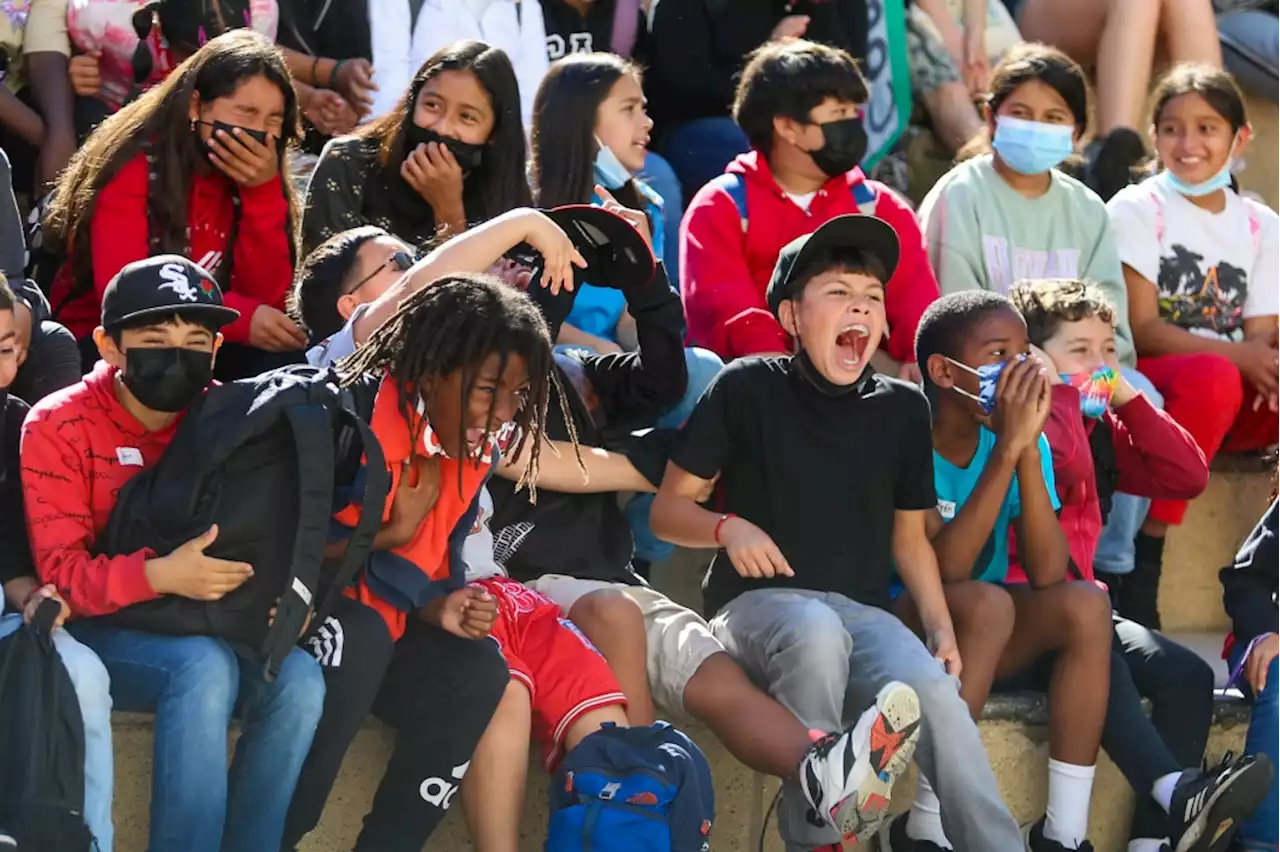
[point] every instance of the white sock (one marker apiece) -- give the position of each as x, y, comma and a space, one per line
924, 822
1066, 820
1162, 790
1146, 844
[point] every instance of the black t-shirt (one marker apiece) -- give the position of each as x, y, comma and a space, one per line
822, 475
569, 31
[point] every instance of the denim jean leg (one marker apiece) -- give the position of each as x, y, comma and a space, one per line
278, 722
190, 683
1259, 832
661, 178
1128, 512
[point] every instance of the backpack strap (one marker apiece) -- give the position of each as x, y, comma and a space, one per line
313, 442
732, 184
864, 197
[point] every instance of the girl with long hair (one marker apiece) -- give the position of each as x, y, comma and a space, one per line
192, 167
450, 155
591, 133
1200, 268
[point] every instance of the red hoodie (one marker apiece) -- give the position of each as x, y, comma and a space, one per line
1155, 457
79, 445
262, 269
725, 270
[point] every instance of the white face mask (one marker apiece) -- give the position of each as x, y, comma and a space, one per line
609, 169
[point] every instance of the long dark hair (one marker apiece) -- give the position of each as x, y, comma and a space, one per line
1023, 64
456, 324
564, 121
499, 184
158, 123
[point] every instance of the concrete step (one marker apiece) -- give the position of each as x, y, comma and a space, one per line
1216, 523
1013, 731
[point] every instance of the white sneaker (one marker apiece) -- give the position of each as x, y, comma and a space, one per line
847, 778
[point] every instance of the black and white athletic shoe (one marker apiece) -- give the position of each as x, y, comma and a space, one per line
1208, 806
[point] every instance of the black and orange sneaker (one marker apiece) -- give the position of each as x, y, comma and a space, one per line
847, 778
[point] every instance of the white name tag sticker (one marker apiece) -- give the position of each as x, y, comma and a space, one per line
301, 590
129, 456
947, 509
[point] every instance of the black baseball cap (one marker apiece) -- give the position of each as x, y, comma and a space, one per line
616, 254
164, 285
860, 233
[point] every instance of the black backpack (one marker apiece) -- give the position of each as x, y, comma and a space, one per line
41, 744
262, 458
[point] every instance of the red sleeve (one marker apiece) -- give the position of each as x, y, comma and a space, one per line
60, 525
1068, 441
1155, 456
913, 286
723, 308
118, 232
262, 267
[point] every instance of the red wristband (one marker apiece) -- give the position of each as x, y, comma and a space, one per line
726, 516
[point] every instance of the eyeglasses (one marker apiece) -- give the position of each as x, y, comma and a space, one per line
401, 260
144, 23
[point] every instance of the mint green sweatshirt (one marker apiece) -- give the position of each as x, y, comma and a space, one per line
981, 234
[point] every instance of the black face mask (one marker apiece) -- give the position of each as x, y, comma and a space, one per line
844, 146
470, 157
167, 379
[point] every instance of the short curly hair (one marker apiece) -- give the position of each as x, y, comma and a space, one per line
1046, 303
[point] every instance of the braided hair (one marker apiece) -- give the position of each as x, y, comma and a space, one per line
455, 324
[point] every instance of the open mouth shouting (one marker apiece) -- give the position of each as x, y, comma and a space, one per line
851, 345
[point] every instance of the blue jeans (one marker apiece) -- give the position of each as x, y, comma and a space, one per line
703, 366
699, 150
93, 691
1128, 512
194, 685
1259, 832
661, 178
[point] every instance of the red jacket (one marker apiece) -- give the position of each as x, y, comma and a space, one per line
724, 271
262, 270
79, 445
1155, 457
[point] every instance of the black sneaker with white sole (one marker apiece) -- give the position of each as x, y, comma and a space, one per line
1208, 807
847, 777
1037, 842
893, 837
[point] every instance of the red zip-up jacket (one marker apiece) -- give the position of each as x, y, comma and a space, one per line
1155, 457
79, 446
262, 267
725, 270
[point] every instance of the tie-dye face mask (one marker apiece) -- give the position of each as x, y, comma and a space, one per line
988, 375
1096, 387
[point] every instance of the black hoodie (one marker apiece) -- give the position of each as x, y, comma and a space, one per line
609, 397
697, 48
53, 358
1249, 584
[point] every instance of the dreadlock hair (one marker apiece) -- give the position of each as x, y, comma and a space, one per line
455, 324
158, 124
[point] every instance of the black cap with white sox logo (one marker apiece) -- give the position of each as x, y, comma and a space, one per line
161, 286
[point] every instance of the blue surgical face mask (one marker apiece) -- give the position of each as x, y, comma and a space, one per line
1032, 147
1221, 180
988, 375
610, 172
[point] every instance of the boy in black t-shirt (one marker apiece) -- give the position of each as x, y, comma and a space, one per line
825, 479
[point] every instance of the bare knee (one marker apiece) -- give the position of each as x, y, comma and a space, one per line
982, 612
607, 616
1087, 610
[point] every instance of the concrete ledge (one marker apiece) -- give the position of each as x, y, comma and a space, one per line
1013, 731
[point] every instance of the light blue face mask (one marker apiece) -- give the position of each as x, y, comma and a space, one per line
1032, 147
610, 173
1222, 180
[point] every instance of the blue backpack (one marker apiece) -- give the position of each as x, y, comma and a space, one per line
635, 789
